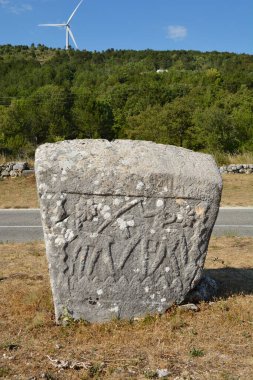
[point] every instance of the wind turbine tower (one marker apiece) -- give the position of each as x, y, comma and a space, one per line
67, 27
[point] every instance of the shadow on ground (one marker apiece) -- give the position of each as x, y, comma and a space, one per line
232, 281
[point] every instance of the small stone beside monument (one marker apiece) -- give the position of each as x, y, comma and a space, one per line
126, 225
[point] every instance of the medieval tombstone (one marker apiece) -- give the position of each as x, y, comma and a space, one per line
126, 224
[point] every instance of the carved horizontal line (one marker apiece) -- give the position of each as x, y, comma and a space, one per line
129, 196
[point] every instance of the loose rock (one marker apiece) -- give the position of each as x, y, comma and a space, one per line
162, 373
189, 307
205, 290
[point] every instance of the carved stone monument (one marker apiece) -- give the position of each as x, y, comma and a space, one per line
126, 224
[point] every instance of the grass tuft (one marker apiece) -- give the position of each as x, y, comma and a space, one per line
196, 352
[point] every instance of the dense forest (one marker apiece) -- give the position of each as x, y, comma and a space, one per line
201, 101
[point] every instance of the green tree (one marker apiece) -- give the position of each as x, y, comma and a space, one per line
150, 125
93, 117
179, 121
216, 130
49, 114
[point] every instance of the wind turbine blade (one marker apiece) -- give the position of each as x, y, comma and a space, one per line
52, 25
71, 35
72, 14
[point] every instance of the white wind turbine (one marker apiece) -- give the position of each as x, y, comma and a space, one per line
67, 27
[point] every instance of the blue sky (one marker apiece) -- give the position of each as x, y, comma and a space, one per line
206, 25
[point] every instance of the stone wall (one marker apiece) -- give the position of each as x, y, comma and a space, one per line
237, 169
15, 169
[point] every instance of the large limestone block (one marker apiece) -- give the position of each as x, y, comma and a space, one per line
126, 224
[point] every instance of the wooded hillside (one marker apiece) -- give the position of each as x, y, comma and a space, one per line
202, 101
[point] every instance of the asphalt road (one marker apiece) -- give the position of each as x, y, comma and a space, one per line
237, 221
21, 225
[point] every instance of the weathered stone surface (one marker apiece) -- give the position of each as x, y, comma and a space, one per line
126, 224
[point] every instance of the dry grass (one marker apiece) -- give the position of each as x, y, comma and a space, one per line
244, 158
226, 159
237, 190
18, 192
215, 343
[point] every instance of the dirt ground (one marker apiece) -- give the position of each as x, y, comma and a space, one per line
19, 192
215, 343
237, 190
